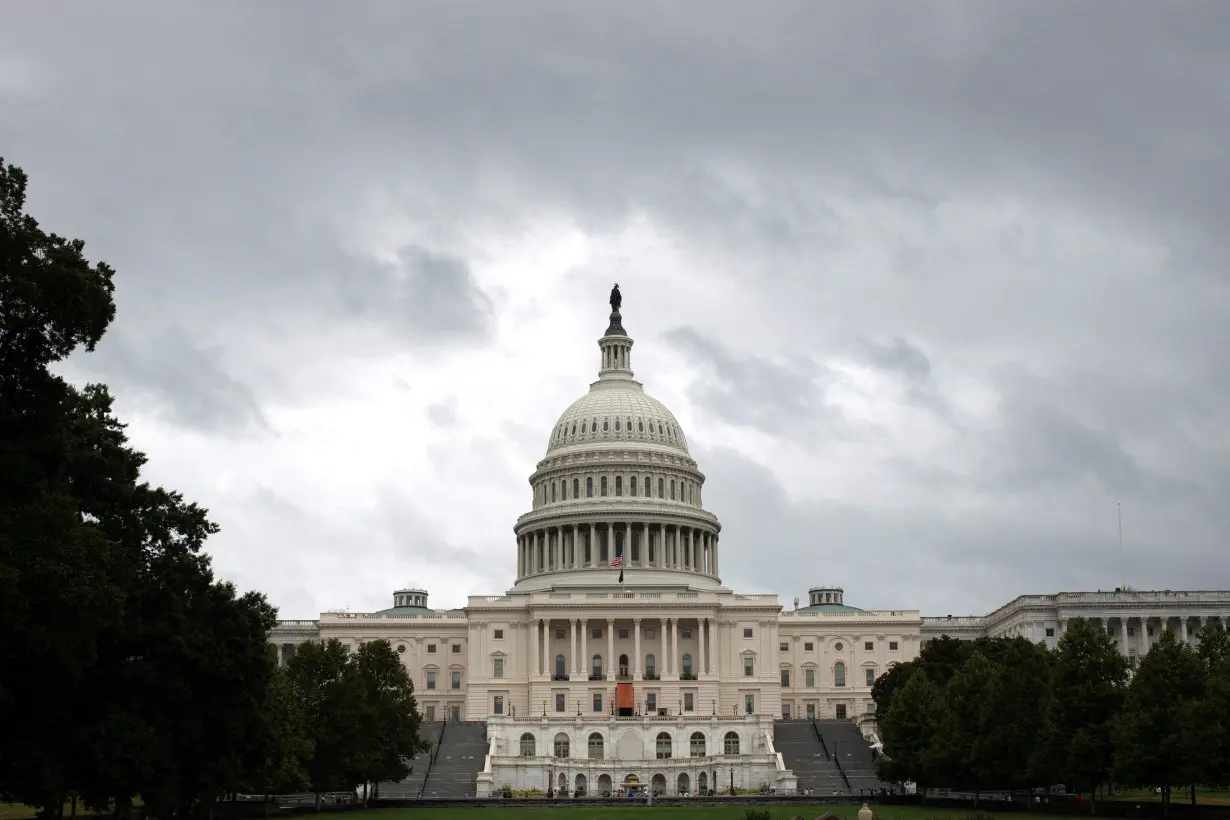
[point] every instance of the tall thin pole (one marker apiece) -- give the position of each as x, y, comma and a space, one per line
1122, 570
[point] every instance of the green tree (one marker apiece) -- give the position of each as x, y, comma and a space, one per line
1013, 707
330, 693
961, 735
912, 733
286, 746
1206, 721
389, 722
1150, 745
1088, 679
1214, 643
125, 669
888, 684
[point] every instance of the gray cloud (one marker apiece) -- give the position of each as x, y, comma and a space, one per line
748, 391
1013, 214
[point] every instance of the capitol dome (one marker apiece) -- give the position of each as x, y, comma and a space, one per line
617, 488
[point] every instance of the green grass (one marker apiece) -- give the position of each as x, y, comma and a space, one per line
734, 812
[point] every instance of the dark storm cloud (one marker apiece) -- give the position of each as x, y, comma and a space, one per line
965, 184
748, 391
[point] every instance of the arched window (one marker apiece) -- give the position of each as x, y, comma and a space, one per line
650, 667
619, 485
527, 745
559, 667
589, 486
672, 489
606, 425
576, 488
647, 493
687, 666
698, 744
563, 489
663, 745
623, 666
640, 425
596, 669
730, 743
632, 486
561, 745
595, 746
552, 490
660, 485
616, 425
593, 427
839, 674
602, 486
574, 428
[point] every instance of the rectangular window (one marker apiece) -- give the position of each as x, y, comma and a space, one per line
672, 489
619, 485
784, 647
456, 649
498, 635
647, 493
892, 646
430, 717
868, 646
497, 668
871, 677
749, 668
632, 486
497, 705
560, 699
651, 633
596, 632
1050, 632
685, 634
1149, 631
431, 680
809, 675
1131, 631
689, 702
809, 647
589, 487
431, 649
785, 678
597, 702
623, 633
651, 703
747, 633
455, 682
841, 711
749, 704
602, 485
559, 634
552, 490
660, 488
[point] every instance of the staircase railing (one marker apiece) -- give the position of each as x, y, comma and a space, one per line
439, 741
820, 738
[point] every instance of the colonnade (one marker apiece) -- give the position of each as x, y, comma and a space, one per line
642, 544
670, 661
1139, 627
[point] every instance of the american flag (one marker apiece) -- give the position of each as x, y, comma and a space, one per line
617, 561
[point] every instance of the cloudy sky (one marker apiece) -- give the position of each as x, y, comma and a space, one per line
930, 287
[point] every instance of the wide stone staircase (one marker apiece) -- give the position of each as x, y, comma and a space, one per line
804, 753
458, 760
412, 785
846, 744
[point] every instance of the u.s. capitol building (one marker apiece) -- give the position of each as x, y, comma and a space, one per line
668, 678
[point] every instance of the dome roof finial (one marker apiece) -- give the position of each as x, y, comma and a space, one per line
616, 327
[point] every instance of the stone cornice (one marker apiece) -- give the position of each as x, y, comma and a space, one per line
623, 510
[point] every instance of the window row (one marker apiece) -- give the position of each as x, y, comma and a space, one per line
633, 486
810, 646
664, 748
839, 676
454, 679
568, 433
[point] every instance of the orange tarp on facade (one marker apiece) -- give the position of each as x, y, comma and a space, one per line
624, 698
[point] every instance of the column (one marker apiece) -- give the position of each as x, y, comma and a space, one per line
576, 548
702, 667
1123, 636
572, 645
714, 538
675, 646
584, 650
534, 656
1183, 628
692, 548
628, 543
610, 648
664, 662
546, 647
636, 648
610, 541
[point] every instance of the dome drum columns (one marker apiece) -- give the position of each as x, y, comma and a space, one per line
643, 545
